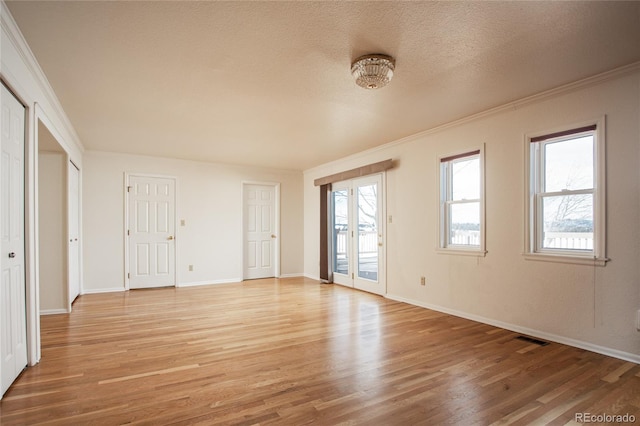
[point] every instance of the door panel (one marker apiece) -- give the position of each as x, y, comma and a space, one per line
367, 235
251, 255
13, 325
358, 237
259, 231
151, 239
369, 244
341, 232
143, 259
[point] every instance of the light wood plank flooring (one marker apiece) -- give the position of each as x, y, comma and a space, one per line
293, 352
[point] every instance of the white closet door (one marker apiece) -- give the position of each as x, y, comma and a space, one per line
13, 322
74, 232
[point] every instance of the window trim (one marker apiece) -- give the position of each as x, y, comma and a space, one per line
531, 251
443, 199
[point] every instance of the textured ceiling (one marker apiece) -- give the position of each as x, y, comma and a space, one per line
269, 83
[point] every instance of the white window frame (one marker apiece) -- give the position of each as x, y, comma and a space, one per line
444, 194
533, 167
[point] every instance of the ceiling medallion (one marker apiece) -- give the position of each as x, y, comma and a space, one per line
373, 71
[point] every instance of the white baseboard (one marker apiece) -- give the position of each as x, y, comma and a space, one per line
298, 275
53, 311
311, 277
209, 282
626, 356
101, 290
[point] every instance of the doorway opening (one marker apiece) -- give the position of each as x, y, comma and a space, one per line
58, 225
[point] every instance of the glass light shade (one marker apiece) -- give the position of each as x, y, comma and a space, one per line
373, 71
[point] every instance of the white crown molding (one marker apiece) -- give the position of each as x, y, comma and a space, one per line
231, 166
539, 97
11, 29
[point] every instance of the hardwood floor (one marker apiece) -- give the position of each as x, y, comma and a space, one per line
293, 351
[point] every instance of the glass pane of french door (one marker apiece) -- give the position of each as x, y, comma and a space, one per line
367, 232
340, 220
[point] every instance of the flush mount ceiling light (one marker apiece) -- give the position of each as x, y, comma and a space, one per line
373, 71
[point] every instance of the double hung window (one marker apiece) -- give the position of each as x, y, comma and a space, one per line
566, 200
461, 203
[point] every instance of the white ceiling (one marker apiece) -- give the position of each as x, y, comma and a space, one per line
269, 83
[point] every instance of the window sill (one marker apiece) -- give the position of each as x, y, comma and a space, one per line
462, 252
560, 258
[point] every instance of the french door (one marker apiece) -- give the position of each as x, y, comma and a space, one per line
357, 240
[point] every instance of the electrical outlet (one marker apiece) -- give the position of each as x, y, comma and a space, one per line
390, 219
190, 268
423, 281
182, 222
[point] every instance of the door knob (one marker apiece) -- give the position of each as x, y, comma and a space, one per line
273, 235
170, 237
12, 255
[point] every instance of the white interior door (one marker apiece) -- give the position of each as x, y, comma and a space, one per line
259, 231
358, 237
74, 232
151, 232
13, 320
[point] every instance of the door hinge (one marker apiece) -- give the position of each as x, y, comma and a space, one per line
352, 276
351, 234
352, 191
129, 188
128, 275
128, 232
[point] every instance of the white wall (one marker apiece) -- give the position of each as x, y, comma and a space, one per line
52, 168
209, 199
591, 307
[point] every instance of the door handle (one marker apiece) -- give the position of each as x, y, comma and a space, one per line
273, 235
170, 237
12, 255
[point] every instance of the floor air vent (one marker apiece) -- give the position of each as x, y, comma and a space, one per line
532, 340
